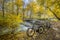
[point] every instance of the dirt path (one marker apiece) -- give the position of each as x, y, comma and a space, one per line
52, 34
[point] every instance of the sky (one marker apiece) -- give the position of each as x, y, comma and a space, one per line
26, 2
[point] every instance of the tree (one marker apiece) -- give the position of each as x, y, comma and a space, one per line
51, 6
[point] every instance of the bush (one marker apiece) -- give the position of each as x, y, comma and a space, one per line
9, 21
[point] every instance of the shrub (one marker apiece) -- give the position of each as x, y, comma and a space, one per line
9, 21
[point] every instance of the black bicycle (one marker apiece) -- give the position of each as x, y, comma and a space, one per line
39, 27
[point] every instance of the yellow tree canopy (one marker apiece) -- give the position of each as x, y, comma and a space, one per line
50, 7
19, 2
35, 7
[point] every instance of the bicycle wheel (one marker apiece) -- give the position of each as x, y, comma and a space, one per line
30, 32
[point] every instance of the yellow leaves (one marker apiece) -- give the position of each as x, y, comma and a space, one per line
34, 7
56, 9
19, 2
35, 16
53, 4
10, 21
19, 19
41, 9
49, 13
57, 12
50, 2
